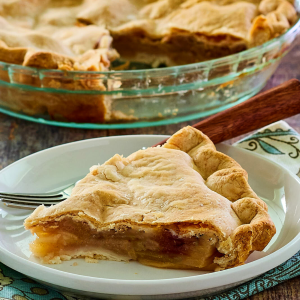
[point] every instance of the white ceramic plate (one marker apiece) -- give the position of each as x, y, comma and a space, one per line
62, 165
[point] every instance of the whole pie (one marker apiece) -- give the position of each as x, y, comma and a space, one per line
91, 35
184, 205
88, 34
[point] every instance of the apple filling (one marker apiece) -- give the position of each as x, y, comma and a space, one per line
159, 246
139, 48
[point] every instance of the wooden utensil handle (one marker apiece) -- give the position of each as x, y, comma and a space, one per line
270, 106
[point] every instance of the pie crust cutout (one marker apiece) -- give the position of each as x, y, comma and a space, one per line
184, 206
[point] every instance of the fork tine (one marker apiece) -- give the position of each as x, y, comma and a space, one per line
21, 206
43, 196
28, 203
33, 200
14, 197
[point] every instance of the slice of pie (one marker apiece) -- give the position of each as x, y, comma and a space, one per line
184, 205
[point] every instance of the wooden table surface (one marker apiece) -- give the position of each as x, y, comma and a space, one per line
20, 138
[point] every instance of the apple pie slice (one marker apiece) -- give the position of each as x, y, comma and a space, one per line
184, 205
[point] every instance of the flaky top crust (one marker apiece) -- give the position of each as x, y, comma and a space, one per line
186, 183
66, 49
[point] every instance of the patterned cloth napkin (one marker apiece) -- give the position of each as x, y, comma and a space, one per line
280, 143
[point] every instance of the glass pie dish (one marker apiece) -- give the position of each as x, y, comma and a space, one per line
140, 98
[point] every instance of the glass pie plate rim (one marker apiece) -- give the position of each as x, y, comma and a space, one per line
14, 253
142, 75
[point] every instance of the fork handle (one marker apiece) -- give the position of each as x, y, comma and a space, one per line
265, 108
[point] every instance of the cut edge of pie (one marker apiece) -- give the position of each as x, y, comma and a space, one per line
184, 205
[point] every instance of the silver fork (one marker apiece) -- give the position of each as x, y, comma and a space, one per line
32, 200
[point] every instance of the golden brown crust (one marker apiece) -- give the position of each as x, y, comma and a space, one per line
163, 187
249, 237
12, 55
47, 60
278, 16
52, 46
